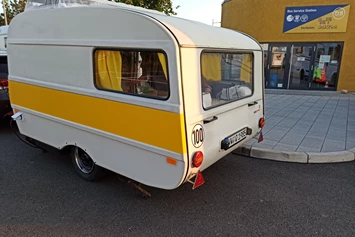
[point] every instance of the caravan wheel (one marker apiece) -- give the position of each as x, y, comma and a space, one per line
84, 165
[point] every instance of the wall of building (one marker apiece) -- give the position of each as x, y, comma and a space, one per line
264, 20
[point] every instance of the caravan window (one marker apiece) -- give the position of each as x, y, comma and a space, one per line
142, 73
225, 77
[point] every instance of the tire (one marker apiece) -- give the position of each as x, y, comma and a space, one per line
85, 166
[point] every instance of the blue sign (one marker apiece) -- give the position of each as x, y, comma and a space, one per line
310, 19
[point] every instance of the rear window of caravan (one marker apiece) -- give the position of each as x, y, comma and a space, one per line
141, 73
226, 77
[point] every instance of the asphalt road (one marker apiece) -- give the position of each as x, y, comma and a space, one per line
41, 195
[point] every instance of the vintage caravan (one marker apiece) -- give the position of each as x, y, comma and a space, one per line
152, 97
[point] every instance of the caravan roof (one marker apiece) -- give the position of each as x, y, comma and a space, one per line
187, 33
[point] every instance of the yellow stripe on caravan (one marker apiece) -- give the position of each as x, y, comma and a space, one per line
154, 127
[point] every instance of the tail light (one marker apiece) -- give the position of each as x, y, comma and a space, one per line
197, 159
3, 83
262, 122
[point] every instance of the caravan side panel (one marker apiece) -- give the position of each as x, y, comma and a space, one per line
51, 82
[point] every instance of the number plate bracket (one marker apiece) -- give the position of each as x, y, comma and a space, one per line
235, 138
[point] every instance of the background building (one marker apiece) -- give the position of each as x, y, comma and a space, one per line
309, 44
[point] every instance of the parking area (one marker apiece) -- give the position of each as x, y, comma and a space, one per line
41, 195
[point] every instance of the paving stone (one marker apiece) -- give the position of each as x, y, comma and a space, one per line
265, 130
319, 106
312, 142
322, 122
350, 145
331, 145
292, 139
321, 133
276, 119
343, 105
260, 145
326, 114
284, 147
337, 128
341, 109
274, 135
309, 118
296, 115
303, 125
286, 124
296, 131
308, 149
268, 142
282, 114
250, 142
336, 136
350, 136
340, 119
280, 128
302, 110
328, 110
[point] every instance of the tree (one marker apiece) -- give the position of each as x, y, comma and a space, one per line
165, 6
14, 7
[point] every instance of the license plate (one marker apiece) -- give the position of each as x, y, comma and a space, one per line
234, 139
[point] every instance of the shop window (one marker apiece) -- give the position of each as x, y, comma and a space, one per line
133, 72
326, 65
334, 52
225, 77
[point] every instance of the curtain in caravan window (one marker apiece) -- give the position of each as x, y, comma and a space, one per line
108, 69
246, 68
211, 66
163, 63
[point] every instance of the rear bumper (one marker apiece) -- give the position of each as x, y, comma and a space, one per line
5, 105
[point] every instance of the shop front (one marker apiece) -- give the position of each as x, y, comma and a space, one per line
308, 45
302, 66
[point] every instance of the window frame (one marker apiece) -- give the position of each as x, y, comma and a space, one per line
250, 52
132, 50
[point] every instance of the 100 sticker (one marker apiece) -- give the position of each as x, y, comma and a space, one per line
197, 135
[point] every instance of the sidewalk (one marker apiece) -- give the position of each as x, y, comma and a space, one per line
306, 126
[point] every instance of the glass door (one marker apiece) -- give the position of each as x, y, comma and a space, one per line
300, 69
277, 66
326, 66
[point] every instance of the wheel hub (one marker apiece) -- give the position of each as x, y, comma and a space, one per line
83, 161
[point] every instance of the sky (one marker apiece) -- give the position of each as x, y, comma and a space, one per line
204, 11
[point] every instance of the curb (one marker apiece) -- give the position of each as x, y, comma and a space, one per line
296, 157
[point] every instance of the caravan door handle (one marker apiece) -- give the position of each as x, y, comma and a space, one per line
210, 120
254, 103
